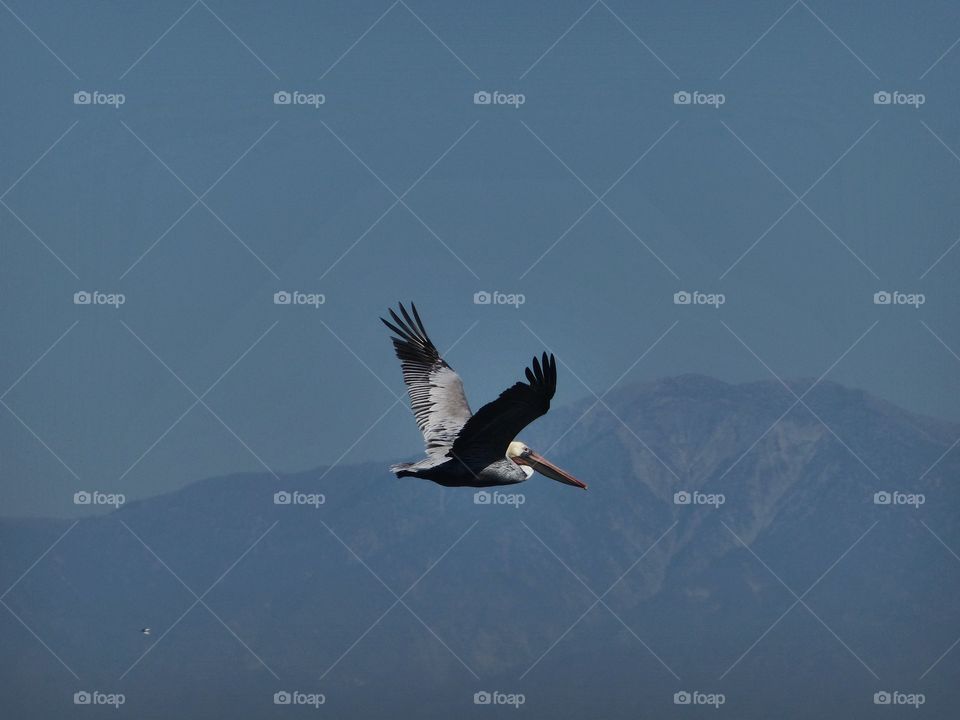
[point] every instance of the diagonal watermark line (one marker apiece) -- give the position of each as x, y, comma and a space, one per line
599, 599
157, 41
799, 199
37, 361
40, 440
839, 39
199, 199
398, 599
797, 401
39, 639
37, 161
46, 47
615, 17
955, 642
37, 561
39, 239
639, 40
361, 361
942, 56
198, 398
762, 36
937, 261
601, 401
799, 599
940, 340
439, 39
398, 199
599, 198
239, 39
199, 600
357, 41
557, 41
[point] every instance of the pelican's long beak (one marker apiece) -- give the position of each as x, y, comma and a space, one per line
545, 467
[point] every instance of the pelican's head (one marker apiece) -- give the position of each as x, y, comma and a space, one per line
529, 461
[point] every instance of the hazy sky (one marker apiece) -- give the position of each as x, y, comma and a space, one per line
198, 198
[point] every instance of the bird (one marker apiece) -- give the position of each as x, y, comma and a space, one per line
465, 449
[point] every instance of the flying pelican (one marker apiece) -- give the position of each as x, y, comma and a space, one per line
463, 449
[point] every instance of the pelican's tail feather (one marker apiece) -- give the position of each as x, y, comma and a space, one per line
402, 469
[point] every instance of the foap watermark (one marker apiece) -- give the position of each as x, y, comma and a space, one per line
297, 697
296, 97
685, 497
496, 697
715, 300
95, 97
896, 697
482, 297
895, 297
295, 497
897, 497
96, 697
697, 697
896, 97
484, 497
295, 297
695, 97
95, 497
96, 297
483, 97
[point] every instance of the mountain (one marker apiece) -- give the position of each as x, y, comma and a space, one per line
781, 585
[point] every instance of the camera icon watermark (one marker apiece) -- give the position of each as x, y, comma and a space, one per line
296, 297
295, 497
96, 697
95, 497
895, 297
483, 297
297, 697
696, 697
95, 97
896, 97
695, 297
896, 697
485, 497
685, 497
496, 697
496, 97
296, 97
896, 497
695, 97
95, 297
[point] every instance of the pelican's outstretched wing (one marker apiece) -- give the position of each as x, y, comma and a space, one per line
485, 436
436, 392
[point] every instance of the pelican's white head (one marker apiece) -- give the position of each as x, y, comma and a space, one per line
529, 461
515, 451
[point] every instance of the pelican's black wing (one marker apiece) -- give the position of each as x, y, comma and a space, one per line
485, 436
436, 392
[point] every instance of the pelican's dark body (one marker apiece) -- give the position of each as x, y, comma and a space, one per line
453, 473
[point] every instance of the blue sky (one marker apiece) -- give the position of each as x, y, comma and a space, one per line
198, 198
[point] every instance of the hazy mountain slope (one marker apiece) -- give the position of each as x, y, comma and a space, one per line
300, 599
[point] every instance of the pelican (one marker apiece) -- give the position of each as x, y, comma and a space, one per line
463, 449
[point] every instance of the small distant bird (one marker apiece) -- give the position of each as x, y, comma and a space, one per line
145, 631
466, 449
